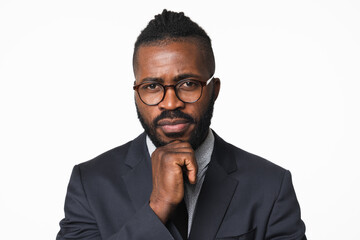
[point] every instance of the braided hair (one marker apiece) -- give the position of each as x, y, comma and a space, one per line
170, 27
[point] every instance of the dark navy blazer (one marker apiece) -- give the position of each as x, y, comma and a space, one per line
243, 197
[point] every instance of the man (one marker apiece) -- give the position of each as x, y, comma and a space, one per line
178, 180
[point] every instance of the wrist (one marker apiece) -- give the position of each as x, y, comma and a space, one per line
162, 209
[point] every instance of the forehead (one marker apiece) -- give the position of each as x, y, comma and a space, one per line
170, 59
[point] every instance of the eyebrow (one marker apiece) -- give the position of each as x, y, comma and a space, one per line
176, 79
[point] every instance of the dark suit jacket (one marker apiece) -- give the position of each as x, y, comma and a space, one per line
243, 197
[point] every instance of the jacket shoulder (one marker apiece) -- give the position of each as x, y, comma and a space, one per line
114, 158
247, 163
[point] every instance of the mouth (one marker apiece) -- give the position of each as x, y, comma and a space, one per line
173, 126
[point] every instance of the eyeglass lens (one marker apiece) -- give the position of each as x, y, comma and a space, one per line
153, 93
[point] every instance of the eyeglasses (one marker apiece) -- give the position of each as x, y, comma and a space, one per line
186, 90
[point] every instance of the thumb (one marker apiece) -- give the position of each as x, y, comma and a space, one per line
191, 170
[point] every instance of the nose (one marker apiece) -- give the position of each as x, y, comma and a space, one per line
170, 101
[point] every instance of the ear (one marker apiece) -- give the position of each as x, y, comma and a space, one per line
217, 85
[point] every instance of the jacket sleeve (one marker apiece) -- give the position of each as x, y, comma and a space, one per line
80, 223
285, 219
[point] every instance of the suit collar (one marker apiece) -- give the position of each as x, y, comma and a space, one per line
224, 154
137, 151
216, 193
138, 180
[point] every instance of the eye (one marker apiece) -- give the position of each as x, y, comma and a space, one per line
189, 85
151, 87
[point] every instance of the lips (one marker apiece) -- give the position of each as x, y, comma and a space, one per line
177, 125
164, 122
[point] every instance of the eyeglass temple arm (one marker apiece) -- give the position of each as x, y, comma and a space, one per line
208, 81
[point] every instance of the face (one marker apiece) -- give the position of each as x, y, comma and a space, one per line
173, 119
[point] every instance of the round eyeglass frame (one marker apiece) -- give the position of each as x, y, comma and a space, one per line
136, 88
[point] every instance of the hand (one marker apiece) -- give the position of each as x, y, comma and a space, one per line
169, 165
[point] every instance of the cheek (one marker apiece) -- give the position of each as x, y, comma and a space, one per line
202, 106
195, 110
148, 113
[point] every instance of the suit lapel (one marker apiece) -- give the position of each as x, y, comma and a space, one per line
216, 193
138, 180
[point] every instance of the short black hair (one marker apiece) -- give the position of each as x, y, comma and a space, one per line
172, 27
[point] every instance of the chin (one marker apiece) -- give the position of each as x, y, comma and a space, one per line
182, 136
167, 138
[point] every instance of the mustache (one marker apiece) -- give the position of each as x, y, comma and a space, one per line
173, 114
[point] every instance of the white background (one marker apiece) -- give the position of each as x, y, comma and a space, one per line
290, 93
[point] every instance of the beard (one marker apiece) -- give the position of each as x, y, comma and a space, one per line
197, 136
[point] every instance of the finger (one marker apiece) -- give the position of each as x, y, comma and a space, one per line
179, 150
186, 160
191, 169
182, 150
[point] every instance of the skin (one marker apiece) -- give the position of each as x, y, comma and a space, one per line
167, 63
